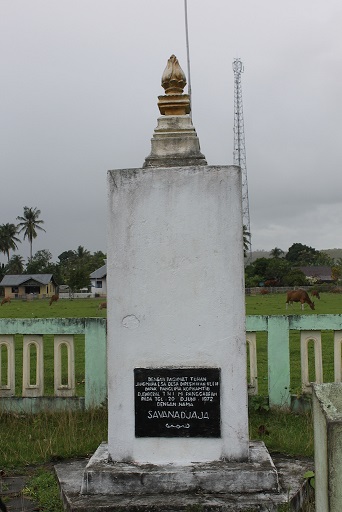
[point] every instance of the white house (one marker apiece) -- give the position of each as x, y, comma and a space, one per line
98, 280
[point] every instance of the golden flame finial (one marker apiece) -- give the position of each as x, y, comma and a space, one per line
174, 102
173, 79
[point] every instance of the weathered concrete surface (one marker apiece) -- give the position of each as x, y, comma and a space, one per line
176, 300
175, 144
327, 409
257, 475
292, 490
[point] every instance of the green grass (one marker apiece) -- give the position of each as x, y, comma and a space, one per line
27, 439
274, 304
43, 489
282, 431
44, 438
64, 308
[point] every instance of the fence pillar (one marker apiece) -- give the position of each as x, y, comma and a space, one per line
95, 362
279, 361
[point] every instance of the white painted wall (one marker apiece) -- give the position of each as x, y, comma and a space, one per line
98, 291
176, 299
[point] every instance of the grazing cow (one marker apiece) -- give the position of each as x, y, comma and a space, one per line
6, 299
299, 296
54, 298
103, 305
315, 293
272, 282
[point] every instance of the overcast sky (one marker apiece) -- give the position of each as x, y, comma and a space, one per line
78, 94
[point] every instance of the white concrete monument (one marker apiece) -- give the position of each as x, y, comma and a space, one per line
177, 386
177, 389
176, 316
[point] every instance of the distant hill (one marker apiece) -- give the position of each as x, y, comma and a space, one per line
333, 253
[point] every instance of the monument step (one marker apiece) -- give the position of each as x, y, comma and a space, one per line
293, 491
258, 474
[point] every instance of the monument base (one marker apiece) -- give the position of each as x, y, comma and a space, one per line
105, 477
257, 485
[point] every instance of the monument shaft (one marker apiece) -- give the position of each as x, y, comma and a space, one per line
176, 302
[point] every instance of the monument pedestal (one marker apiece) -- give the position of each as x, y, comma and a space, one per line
292, 492
258, 474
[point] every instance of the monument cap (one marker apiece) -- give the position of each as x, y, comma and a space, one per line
175, 142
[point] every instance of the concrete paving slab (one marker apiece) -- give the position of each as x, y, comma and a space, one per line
13, 497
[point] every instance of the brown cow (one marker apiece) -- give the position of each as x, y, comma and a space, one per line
54, 298
103, 305
299, 296
315, 293
6, 299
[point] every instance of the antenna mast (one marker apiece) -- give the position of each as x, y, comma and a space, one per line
240, 150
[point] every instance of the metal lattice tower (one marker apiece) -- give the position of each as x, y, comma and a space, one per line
239, 147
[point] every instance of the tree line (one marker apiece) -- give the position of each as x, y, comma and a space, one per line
73, 267
283, 268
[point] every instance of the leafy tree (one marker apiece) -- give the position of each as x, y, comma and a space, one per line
29, 224
277, 268
98, 260
324, 259
40, 263
75, 268
65, 256
2, 270
295, 277
15, 265
336, 273
260, 266
8, 238
302, 255
264, 269
277, 253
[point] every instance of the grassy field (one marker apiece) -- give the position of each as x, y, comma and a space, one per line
64, 308
274, 304
31, 443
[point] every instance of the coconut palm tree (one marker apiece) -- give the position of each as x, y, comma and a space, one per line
8, 238
15, 265
29, 224
246, 240
277, 253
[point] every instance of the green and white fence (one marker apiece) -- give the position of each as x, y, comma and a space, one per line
63, 331
32, 397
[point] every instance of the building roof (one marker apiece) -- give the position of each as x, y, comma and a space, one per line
20, 279
321, 272
99, 273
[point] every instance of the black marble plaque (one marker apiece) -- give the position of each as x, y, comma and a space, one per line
177, 402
